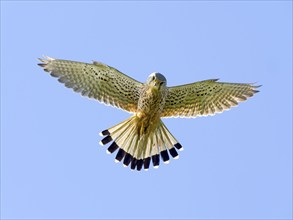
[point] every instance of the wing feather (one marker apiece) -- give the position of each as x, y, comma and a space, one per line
205, 98
97, 80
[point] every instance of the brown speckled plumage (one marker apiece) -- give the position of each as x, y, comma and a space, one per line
97, 80
143, 137
205, 98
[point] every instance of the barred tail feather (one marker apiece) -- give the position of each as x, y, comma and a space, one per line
140, 151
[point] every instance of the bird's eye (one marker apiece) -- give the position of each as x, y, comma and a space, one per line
161, 83
153, 78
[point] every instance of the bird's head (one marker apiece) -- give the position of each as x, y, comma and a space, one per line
157, 80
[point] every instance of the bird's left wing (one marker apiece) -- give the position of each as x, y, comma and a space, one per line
205, 98
97, 80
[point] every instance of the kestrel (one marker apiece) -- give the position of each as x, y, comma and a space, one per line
143, 137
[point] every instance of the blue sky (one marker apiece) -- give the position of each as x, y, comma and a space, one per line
236, 165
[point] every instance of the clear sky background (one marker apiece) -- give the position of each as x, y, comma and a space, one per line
236, 165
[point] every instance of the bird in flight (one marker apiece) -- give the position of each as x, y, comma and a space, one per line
143, 138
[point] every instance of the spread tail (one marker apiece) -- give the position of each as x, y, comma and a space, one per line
138, 151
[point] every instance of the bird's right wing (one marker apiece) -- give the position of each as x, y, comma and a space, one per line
97, 80
205, 98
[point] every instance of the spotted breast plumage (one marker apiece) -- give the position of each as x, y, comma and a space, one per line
143, 138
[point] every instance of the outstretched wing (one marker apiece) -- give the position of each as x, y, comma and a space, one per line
97, 80
205, 98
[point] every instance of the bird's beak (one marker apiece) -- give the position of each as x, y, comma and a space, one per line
157, 83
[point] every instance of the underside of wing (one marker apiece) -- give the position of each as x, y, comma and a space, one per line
97, 80
205, 98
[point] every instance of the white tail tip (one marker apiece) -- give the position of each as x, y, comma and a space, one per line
156, 167
117, 161
167, 162
101, 143
177, 157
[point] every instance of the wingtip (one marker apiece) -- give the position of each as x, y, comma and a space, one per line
48, 58
45, 61
42, 64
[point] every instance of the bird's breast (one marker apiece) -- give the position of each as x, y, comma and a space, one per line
151, 102
150, 106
